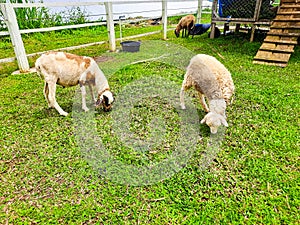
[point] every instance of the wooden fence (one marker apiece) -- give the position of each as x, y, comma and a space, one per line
8, 11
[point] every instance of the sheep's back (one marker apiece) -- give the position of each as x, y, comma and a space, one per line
222, 75
187, 20
64, 68
202, 78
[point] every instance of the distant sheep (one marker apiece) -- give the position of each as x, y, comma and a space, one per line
68, 70
212, 80
186, 23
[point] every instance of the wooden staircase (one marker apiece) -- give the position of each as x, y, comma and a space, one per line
283, 35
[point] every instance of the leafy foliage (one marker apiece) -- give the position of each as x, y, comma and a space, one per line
29, 18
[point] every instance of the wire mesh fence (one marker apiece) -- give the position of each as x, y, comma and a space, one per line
246, 9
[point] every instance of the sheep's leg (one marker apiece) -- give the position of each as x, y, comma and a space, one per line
92, 94
182, 98
83, 93
46, 94
203, 103
52, 99
186, 84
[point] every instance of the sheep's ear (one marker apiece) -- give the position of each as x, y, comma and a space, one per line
224, 122
99, 101
105, 98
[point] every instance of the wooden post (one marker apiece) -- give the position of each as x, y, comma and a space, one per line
110, 26
255, 17
212, 30
213, 15
15, 36
199, 11
164, 18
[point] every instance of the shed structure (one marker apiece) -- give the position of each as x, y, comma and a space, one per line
249, 12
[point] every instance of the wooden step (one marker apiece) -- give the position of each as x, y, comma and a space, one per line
289, 1
270, 60
276, 50
287, 20
272, 56
278, 46
294, 6
270, 63
281, 42
277, 26
283, 34
289, 13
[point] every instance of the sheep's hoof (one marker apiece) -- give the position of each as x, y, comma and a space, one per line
85, 109
64, 114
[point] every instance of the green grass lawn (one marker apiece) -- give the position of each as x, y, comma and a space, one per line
46, 178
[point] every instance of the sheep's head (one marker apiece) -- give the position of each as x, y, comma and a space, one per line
105, 99
176, 32
214, 120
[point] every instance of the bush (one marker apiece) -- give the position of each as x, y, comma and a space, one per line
29, 18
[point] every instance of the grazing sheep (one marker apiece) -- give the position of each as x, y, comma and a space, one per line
212, 80
186, 23
68, 70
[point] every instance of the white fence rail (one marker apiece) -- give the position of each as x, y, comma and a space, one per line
8, 11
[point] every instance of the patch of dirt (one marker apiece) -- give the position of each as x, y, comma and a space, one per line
100, 59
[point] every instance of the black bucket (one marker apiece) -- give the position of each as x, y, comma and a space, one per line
130, 46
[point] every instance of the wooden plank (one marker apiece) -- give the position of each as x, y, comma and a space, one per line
282, 42
270, 63
280, 26
288, 1
276, 50
281, 38
270, 56
283, 34
287, 19
294, 6
274, 46
289, 13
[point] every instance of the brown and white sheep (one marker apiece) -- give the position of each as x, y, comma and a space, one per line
212, 80
186, 23
68, 70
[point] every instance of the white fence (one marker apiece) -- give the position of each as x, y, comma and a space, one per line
8, 11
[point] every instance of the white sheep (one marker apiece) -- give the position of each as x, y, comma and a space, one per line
186, 23
68, 70
212, 80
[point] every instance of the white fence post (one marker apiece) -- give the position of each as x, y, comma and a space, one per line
110, 26
15, 35
199, 11
164, 18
